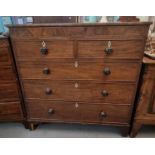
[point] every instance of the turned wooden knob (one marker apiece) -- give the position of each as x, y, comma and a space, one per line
104, 93
51, 111
44, 50
103, 114
46, 71
108, 50
106, 71
48, 91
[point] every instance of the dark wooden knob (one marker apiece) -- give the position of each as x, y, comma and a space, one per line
43, 50
106, 71
48, 91
51, 111
104, 93
46, 71
103, 114
108, 50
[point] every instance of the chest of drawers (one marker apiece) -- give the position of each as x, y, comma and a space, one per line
79, 73
145, 110
10, 103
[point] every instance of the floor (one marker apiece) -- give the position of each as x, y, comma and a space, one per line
17, 130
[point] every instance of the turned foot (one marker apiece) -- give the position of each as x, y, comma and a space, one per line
26, 125
124, 131
135, 128
32, 126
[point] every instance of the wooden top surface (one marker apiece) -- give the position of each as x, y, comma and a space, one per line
147, 60
80, 24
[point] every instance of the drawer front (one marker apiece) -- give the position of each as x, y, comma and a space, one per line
153, 101
77, 112
153, 105
79, 70
111, 49
4, 42
10, 108
80, 91
7, 74
80, 31
8, 92
44, 49
4, 56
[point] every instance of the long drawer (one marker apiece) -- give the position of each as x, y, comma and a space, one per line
77, 112
79, 70
8, 92
79, 91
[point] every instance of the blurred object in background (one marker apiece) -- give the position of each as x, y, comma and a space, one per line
55, 19
95, 19
150, 45
1, 26
4, 20
103, 19
112, 18
22, 20
128, 19
89, 19
143, 18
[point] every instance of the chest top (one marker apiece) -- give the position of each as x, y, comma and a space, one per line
77, 31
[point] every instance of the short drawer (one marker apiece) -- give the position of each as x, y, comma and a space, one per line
4, 56
133, 49
10, 108
77, 112
7, 73
79, 70
4, 42
8, 92
153, 107
79, 91
44, 49
10, 111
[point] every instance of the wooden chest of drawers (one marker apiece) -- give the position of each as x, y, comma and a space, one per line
81, 73
10, 103
145, 111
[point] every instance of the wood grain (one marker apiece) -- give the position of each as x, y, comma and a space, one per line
145, 111
10, 104
83, 113
76, 63
84, 70
86, 91
121, 49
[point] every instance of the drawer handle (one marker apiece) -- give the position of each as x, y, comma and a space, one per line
104, 93
46, 71
108, 50
51, 111
43, 50
103, 114
106, 71
48, 91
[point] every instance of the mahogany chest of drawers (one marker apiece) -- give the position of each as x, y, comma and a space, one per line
79, 73
10, 103
145, 111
